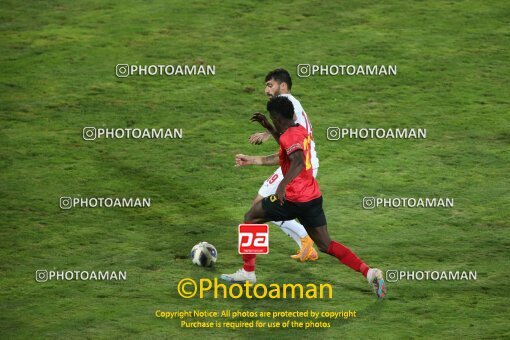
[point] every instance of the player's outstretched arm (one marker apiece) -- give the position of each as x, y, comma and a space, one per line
259, 117
243, 160
297, 162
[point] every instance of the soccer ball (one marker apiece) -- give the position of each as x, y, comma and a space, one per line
204, 254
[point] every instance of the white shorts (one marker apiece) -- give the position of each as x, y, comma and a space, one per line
269, 187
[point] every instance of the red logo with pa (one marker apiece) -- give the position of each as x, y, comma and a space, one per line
253, 239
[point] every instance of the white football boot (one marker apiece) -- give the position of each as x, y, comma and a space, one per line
376, 278
240, 276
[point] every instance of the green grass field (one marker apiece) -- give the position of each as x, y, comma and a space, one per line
58, 75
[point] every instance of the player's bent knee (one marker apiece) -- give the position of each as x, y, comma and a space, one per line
255, 216
252, 217
248, 217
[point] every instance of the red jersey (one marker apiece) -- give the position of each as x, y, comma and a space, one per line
303, 187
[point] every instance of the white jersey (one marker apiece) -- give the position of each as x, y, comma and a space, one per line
302, 119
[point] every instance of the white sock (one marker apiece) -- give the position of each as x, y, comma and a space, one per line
293, 229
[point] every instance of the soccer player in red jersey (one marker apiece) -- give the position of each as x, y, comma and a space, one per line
297, 196
279, 83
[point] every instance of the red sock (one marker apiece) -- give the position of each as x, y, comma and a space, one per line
347, 257
249, 259
249, 262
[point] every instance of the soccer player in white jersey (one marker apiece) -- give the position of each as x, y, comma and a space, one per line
279, 83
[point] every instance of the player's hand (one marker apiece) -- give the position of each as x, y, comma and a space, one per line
242, 160
280, 193
259, 137
260, 118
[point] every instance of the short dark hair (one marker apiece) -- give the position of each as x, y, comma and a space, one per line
281, 76
282, 106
